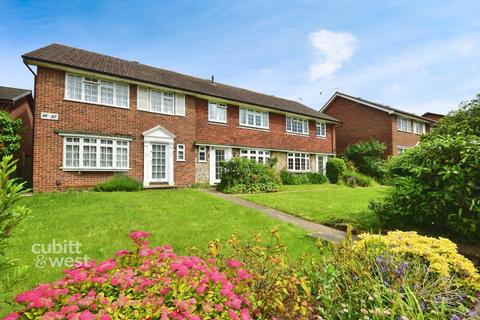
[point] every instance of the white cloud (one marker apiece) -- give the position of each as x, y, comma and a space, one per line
332, 50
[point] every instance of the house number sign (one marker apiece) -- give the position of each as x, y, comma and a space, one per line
49, 116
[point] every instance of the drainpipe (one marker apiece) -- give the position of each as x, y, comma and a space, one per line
33, 114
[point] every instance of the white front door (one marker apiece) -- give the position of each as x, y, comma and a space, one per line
159, 162
158, 156
217, 156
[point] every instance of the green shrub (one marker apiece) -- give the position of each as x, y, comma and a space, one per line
245, 176
355, 179
10, 217
292, 178
10, 138
367, 157
119, 182
335, 169
439, 190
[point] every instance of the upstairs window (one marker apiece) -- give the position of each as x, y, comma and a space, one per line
93, 153
253, 118
258, 156
419, 127
321, 129
404, 124
217, 112
93, 90
156, 101
297, 125
298, 162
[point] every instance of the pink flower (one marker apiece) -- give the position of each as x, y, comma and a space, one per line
245, 315
12, 316
243, 274
122, 253
232, 314
136, 235
86, 315
234, 263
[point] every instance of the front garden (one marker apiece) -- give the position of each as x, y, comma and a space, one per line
330, 204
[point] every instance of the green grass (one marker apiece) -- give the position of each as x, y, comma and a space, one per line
326, 203
102, 221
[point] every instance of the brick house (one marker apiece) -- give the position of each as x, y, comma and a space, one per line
364, 120
96, 115
433, 116
19, 104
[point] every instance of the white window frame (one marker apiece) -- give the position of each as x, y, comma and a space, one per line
264, 118
202, 150
255, 154
297, 120
322, 170
419, 127
163, 95
98, 82
323, 129
217, 106
294, 156
116, 143
402, 149
181, 152
404, 124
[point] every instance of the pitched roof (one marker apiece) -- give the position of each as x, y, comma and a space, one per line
90, 61
13, 94
376, 105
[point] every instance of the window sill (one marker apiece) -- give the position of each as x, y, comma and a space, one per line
181, 160
218, 123
254, 128
321, 137
158, 112
405, 131
299, 134
297, 171
97, 104
94, 169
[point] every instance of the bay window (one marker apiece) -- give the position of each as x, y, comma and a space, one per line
95, 153
297, 125
253, 118
217, 112
92, 90
298, 162
258, 156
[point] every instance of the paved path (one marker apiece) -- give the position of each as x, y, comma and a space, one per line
315, 229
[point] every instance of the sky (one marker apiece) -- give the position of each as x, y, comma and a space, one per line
417, 56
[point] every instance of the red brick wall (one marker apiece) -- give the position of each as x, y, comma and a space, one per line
78, 116
404, 139
360, 123
275, 137
48, 149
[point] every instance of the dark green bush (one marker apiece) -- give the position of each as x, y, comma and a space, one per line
245, 176
355, 179
367, 157
292, 178
335, 169
119, 182
439, 190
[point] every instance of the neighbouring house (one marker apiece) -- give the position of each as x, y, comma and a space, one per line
19, 104
433, 116
96, 115
365, 120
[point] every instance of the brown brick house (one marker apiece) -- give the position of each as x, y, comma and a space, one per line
96, 115
364, 120
19, 104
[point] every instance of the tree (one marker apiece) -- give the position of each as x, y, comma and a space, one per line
367, 157
437, 184
10, 139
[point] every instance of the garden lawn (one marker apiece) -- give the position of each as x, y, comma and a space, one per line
101, 223
325, 203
